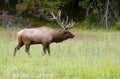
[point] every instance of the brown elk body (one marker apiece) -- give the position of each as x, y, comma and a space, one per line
43, 35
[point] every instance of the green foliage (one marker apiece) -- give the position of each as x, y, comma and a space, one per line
21, 8
84, 24
95, 11
38, 6
84, 4
116, 26
91, 11
53, 5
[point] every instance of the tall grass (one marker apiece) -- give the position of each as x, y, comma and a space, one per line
90, 55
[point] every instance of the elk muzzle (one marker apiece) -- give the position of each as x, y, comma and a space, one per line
69, 35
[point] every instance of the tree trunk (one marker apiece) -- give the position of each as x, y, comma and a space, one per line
107, 15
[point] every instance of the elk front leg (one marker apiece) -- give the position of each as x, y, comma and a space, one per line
27, 49
46, 47
44, 50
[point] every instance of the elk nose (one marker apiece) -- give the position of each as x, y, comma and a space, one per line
73, 36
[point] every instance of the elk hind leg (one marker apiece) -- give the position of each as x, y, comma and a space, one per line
18, 47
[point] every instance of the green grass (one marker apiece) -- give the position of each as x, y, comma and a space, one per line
90, 55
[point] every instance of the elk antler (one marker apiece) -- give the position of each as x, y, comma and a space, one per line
64, 24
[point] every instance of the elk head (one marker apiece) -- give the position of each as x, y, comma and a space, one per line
65, 24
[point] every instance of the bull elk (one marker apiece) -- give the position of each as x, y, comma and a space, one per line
45, 35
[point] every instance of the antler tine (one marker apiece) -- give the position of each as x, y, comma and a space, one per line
61, 23
64, 23
59, 15
70, 25
53, 15
73, 23
66, 20
57, 18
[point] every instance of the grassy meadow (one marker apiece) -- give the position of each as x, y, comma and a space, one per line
90, 55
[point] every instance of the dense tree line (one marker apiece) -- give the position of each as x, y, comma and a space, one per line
93, 13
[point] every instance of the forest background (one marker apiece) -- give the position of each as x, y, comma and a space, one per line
88, 14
